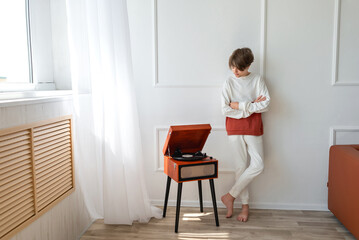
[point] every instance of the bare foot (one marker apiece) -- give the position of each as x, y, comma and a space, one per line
243, 216
228, 200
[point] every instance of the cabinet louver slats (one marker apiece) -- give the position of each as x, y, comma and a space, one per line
36, 171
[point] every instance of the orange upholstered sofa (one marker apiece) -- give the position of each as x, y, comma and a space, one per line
343, 185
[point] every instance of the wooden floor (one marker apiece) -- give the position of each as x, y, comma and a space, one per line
262, 224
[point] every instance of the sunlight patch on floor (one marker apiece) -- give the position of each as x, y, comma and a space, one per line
193, 236
191, 219
197, 214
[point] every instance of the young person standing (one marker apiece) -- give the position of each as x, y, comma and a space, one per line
244, 97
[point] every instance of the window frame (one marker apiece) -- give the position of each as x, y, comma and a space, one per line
29, 46
33, 84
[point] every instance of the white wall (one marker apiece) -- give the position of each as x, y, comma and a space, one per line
180, 51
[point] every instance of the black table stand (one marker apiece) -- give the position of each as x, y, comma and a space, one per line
179, 194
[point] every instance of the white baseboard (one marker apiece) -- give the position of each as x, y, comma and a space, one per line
254, 205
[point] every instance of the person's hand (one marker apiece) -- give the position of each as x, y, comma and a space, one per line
234, 105
260, 99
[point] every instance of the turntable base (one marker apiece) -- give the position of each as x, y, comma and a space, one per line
184, 162
185, 171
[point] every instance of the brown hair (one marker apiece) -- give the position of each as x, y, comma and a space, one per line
241, 58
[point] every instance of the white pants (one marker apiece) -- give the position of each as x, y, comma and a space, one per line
242, 146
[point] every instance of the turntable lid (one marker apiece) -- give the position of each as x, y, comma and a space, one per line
187, 138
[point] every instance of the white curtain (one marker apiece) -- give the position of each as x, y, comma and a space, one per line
107, 136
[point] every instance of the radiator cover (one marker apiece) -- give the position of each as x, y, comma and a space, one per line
36, 171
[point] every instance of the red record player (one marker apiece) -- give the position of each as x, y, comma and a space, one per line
183, 160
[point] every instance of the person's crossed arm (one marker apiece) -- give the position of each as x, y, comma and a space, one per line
235, 105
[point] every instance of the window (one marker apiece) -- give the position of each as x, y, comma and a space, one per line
15, 57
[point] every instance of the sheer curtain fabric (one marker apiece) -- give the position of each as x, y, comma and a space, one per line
107, 127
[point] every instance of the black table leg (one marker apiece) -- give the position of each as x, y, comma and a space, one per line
200, 195
211, 183
166, 196
179, 193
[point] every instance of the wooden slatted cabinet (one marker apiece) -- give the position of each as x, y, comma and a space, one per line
36, 171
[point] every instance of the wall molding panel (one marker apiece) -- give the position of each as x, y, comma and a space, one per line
336, 47
157, 82
263, 37
335, 131
335, 42
158, 154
